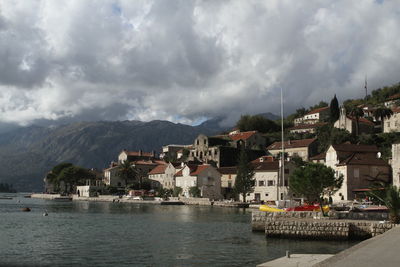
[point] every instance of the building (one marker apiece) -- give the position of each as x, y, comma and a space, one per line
228, 177
304, 148
349, 123
111, 177
396, 164
359, 164
135, 155
91, 189
164, 174
205, 177
174, 150
314, 116
391, 101
392, 124
269, 184
223, 150
320, 158
306, 128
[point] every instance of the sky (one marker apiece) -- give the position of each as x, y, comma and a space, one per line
186, 61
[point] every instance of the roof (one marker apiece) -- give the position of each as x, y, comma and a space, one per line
263, 159
364, 159
292, 144
362, 120
159, 169
242, 135
355, 148
319, 157
266, 166
308, 126
228, 170
396, 109
318, 110
194, 169
393, 97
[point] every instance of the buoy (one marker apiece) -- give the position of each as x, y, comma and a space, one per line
26, 209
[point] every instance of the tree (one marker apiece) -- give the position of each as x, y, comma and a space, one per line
256, 123
391, 199
329, 135
73, 176
194, 191
244, 176
357, 112
126, 172
314, 181
177, 191
381, 113
334, 109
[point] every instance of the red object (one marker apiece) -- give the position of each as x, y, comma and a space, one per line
305, 208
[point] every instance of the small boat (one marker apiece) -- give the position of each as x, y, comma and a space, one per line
27, 196
267, 208
6, 198
172, 203
26, 209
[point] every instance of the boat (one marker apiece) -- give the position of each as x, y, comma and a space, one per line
267, 208
6, 198
171, 203
371, 208
26, 209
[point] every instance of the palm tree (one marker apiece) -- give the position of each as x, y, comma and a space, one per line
126, 171
382, 113
391, 198
357, 112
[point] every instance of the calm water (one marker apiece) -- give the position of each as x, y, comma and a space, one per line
117, 234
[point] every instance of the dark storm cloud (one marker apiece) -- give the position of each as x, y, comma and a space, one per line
186, 60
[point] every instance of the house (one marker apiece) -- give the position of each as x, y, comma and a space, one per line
359, 165
392, 124
174, 150
349, 123
91, 189
320, 158
164, 174
205, 177
304, 148
269, 185
135, 155
306, 127
223, 150
111, 177
314, 116
391, 101
396, 164
228, 177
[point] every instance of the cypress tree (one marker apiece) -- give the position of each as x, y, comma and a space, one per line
244, 176
334, 109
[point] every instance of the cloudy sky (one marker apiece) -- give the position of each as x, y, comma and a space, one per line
185, 60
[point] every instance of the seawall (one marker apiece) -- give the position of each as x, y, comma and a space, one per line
312, 225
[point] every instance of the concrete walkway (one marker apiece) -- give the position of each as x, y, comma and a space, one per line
382, 250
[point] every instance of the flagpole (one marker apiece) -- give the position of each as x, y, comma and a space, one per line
283, 144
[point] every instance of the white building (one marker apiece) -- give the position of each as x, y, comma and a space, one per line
204, 177
392, 124
164, 174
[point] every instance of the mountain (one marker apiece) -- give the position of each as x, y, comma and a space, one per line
27, 153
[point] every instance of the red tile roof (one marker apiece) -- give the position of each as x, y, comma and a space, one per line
355, 148
318, 110
263, 159
242, 135
364, 159
194, 169
228, 170
159, 169
319, 157
292, 144
266, 166
396, 109
393, 97
362, 120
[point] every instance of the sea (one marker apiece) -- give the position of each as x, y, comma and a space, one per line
80, 233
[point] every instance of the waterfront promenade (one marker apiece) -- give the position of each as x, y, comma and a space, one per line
381, 250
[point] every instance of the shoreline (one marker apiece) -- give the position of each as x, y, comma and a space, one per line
117, 199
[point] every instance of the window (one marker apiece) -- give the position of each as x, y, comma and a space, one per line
261, 183
266, 195
198, 142
270, 182
281, 196
205, 141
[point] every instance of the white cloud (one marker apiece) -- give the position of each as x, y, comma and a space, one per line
186, 60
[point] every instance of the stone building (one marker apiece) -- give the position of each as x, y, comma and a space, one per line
304, 148
391, 101
314, 116
223, 150
269, 184
136, 155
396, 164
359, 165
228, 177
205, 177
164, 174
349, 123
392, 124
